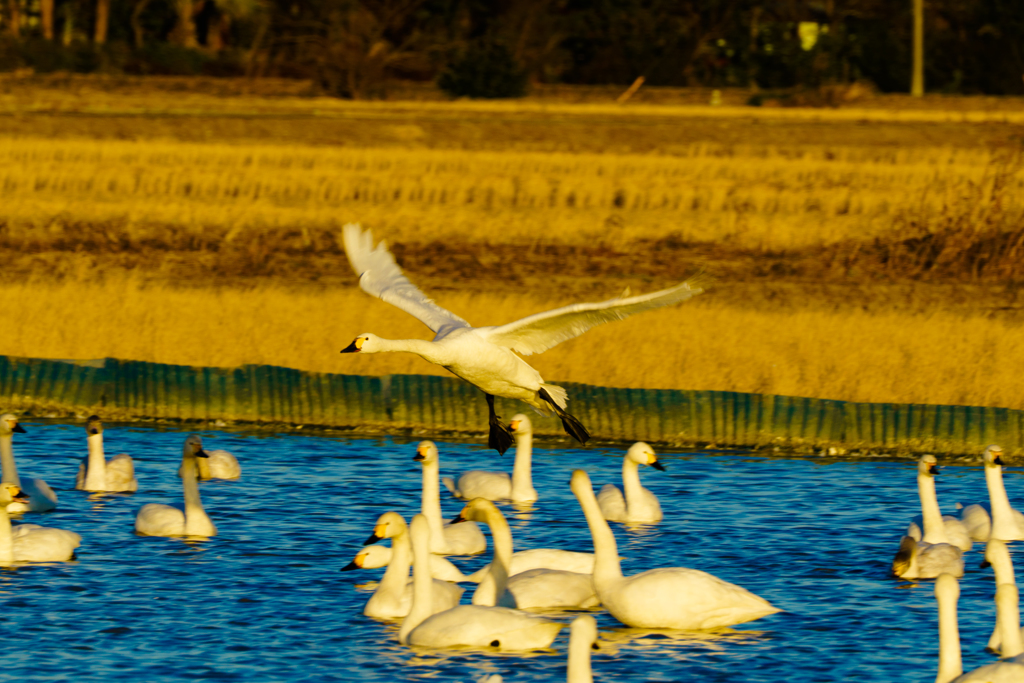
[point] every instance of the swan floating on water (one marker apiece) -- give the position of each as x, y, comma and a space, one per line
498, 485
37, 494
955, 530
219, 464
188, 519
486, 356
96, 473
669, 597
464, 538
995, 519
639, 505
930, 552
31, 542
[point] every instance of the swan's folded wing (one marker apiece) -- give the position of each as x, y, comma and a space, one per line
539, 332
380, 276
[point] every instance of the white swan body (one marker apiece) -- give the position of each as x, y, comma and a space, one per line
190, 519
997, 556
955, 531
498, 485
947, 592
674, 597
377, 556
96, 473
31, 542
533, 588
37, 496
486, 356
466, 625
996, 519
393, 597
219, 465
542, 558
582, 638
920, 560
464, 538
639, 505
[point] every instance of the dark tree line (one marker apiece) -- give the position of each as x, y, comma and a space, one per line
352, 48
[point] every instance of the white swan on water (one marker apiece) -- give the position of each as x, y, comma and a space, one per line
945, 528
377, 556
96, 473
465, 625
582, 639
670, 597
995, 519
486, 356
930, 553
189, 519
638, 505
498, 485
219, 465
31, 542
393, 596
464, 538
38, 496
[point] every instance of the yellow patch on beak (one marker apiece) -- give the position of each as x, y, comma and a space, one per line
379, 530
651, 459
359, 343
359, 559
514, 425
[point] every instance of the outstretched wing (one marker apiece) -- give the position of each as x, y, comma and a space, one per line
537, 333
380, 276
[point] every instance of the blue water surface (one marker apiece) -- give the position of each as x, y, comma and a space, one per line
264, 600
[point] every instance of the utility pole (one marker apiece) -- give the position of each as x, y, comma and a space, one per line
917, 79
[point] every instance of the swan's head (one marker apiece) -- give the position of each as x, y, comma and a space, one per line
476, 510
426, 453
928, 466
995, 550
580, 482
364, 343
93, 425
9, 424
10, 493
389, 525
643, 454
370, 557
194, 447
521, 425
947, 588
993, 456
584, 628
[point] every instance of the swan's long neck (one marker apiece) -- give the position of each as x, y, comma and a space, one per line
607, 569
631, 488
579, 659
203, 468
96, 474
424, 349
501, 536
6, 537
422, 590
522, 476
1004, 526
934, 528
397, 574
998, 556
10, 470
196, 519
431, 507
1008, 620
950, 663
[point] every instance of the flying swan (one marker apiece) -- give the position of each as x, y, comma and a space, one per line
486, 356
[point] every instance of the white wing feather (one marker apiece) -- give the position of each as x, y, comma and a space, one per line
380, 276
539, 332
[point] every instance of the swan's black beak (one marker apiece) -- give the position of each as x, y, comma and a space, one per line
997, 460
202, 454
457, 518
933, 470
418, 457
351, 348
658, 466
18, 428
21, 497
595, 646
372, 539
350, 566
985, 564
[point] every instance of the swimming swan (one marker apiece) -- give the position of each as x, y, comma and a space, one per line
920, 560
393, 596
486, 356
947, 592
582, 639
1009, 523
451, 539
533, 588
31, 542
997, 556
377, 556
219, 465
639, 504
955, 531
96, 473
498, 485
671, 597
37, 494
465, 625
189, 519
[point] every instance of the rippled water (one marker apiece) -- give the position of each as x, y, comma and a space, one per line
264, 600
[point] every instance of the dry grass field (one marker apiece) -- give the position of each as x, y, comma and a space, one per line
868, 254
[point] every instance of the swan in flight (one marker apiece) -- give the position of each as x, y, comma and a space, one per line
945, 528
40, 497
31, 542
995, 519
498, 485
96, 473
486, 357
638, 505
190, 519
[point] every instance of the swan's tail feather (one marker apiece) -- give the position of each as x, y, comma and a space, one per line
572, 426
556, 395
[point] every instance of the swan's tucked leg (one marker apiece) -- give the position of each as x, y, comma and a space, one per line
572, 426
500, 438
